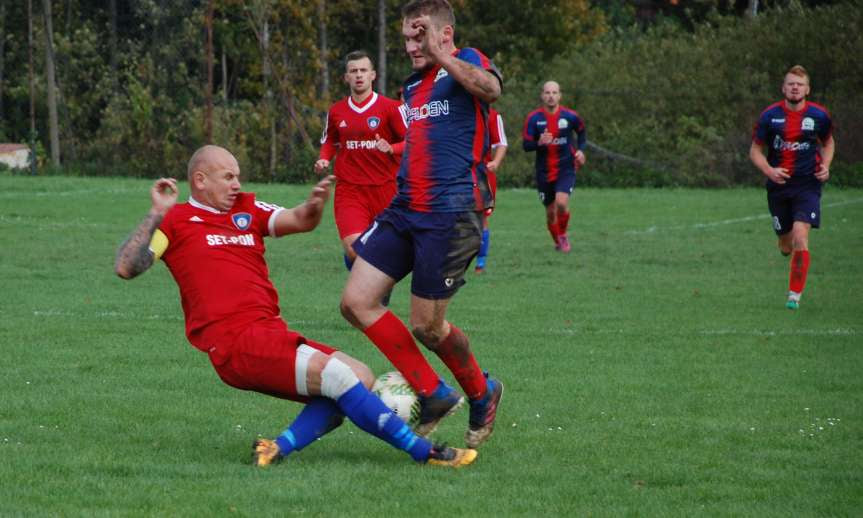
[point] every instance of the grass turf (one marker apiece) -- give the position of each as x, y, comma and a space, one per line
654, 371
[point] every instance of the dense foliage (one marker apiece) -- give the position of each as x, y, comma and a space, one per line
670, 95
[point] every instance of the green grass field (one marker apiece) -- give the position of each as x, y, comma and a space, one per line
652, 372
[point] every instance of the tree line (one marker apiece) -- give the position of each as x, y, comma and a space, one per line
130, 87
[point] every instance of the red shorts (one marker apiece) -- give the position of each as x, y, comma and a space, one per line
356, 206
262, 358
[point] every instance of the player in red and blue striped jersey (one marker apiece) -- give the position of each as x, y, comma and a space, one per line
557, 135
800, 146
432, 228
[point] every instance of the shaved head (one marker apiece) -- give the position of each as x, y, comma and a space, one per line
550, 95
551, 85
209, 158
214, 177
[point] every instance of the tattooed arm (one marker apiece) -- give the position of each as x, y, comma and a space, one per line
481, 83
134, 256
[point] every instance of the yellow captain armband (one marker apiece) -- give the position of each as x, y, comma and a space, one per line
158, 244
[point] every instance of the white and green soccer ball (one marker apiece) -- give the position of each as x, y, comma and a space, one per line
397, 394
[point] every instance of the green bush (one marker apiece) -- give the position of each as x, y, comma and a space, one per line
681, 104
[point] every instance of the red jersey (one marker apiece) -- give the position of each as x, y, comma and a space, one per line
349, 133
217, 260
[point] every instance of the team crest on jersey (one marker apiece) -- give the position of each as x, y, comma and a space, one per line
373, 122
440, 74
808, 124
242, 220
562, 123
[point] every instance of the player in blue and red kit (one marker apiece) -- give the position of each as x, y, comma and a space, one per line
558, 136
800, 147
433, 225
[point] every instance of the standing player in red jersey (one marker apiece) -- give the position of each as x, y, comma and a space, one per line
799, 137
493, 159
214, 247
549, 132
360, 131
432, 228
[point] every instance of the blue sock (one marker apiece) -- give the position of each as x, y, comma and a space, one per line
442, 390
316, 419
369, 413
348, 262
483, 247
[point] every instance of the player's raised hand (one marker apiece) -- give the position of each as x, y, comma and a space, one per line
321, 192
546, 138
822, 173
778, 175
163, 194
322, 165
432, 42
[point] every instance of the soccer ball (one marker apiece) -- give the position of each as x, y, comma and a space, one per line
398, 395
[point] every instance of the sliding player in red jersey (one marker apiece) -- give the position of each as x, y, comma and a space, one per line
800, 147
360, 131
549, 132
432, 228
494, 157
214, 247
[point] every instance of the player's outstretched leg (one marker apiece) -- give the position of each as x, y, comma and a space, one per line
369, 413
483, 412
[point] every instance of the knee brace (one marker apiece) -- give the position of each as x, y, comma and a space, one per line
337, 378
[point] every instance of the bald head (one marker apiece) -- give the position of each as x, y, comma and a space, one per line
214, 177
209, 158
550, 95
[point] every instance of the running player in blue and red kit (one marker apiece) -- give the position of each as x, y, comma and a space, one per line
800, 147
549, 131
433, 225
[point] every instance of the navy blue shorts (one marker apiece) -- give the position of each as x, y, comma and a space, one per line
790, 203
436, 246
548, 190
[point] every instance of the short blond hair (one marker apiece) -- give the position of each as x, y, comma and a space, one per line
798, 70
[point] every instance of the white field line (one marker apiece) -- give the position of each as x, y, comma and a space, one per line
719, 332
102, 314
698, 226
44, 223
80, 192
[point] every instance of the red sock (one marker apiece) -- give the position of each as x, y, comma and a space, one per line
454, 351
553, 230
563, 222
799, 268
392, 338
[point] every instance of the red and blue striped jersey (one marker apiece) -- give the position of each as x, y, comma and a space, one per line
446, 140
559, 156
792, 137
